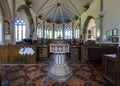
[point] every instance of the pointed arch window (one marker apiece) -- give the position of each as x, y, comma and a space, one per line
68, 33
77, 32
89, 34
20, 29
48, 32
58, 33
39, 30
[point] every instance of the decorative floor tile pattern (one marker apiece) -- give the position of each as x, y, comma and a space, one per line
36, 75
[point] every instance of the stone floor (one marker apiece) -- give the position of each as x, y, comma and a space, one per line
37, 75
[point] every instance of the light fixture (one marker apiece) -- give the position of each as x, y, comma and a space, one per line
40, 17
48, 20
76, 17
85, 7
29, 4
101, 14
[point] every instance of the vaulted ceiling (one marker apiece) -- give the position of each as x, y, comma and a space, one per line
59, 11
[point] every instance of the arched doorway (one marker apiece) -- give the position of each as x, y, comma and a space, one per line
89, 31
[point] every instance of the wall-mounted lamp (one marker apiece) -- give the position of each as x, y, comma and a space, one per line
29, 4
76, 17
85, 7
101, 14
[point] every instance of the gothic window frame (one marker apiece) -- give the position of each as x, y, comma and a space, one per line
48, 32
77, 32
20, 29
39, 30
68, 32
58, 32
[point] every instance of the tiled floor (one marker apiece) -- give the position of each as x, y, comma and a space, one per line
37, 75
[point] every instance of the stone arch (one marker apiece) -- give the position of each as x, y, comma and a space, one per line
5, 10
86, 25
30, 18
6, 16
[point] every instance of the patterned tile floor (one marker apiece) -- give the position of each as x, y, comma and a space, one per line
36, 75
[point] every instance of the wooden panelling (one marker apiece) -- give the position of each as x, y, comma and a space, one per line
74, 53
96, 52
32, 58
26, 58
42, 52
4, 54
111, 70
10, 54
84, 53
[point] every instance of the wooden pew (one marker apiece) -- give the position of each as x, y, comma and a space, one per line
4, 54
96, 52
111, 70
10, 54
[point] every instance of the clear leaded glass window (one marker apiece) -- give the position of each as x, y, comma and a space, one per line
58, 33
20, 30
68, 33
77, 32
39, 31
48, 32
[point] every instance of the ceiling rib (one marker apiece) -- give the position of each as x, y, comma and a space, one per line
54, 16
58, 1
74, 7
59, 11
49, 12
62, 14
68, 13
72, 12
42, 6
43, 9
69, 8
